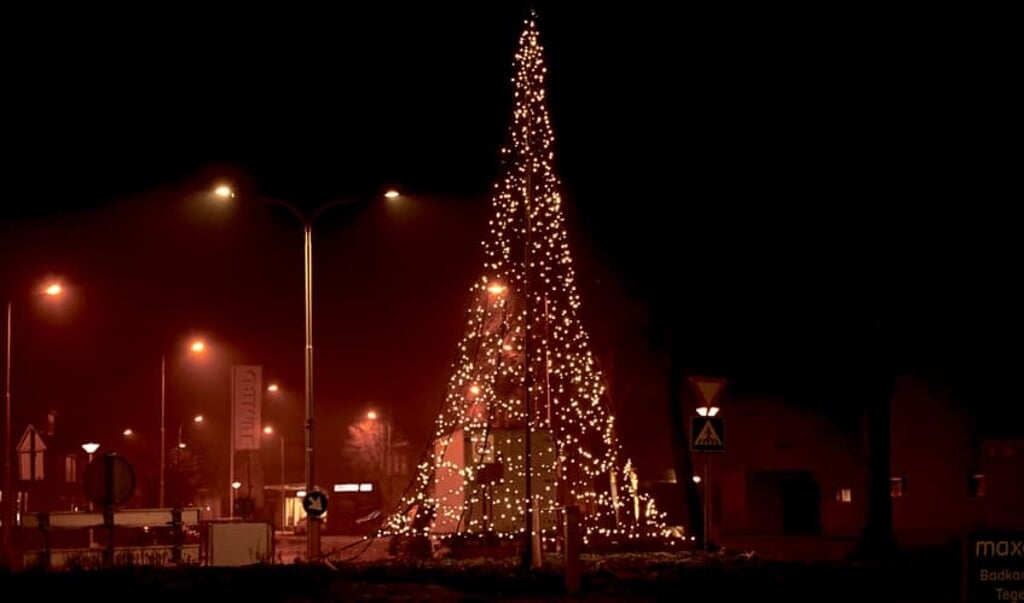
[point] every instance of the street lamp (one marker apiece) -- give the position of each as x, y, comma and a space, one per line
225, 192
51, 289
196, 347
181, 426
89, 449
386, 462
280, 436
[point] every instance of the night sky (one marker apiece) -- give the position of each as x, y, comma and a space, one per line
772, 186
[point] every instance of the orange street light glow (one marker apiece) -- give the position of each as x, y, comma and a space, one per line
224, 192
371, 415
198, 418
391, 194
495, 288
53, 289
268, 430
272, 387
128, 432
198, 346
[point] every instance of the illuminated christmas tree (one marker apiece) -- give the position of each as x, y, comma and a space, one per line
525, 416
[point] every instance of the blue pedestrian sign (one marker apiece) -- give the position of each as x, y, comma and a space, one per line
315, 503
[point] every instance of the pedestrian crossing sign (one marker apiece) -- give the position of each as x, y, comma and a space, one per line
707, 434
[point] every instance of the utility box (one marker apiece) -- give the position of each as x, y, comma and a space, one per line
240, 543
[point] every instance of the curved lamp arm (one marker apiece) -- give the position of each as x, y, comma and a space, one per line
303, 219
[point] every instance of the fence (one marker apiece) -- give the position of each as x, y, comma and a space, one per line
130, 537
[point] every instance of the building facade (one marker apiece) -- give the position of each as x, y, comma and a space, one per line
789, 471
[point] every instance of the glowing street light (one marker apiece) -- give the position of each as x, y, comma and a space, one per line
707, 411
269, 430
197, 346
224, 191
51, 289
181, 441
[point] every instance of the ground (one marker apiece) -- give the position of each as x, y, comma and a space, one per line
927, 576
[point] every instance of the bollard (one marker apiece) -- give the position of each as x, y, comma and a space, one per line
44, 527
177, 536
573, 545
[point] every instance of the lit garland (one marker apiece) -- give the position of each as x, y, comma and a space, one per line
522, 331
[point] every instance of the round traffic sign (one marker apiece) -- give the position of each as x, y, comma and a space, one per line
315, 503
245, 507
109, 480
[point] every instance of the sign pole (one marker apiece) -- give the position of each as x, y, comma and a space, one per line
231, 449
707, 501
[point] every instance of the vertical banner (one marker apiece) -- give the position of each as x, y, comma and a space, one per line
246, 401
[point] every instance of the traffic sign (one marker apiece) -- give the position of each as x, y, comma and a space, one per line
708, 388
707, 434
315, 503
109, 480
245, 507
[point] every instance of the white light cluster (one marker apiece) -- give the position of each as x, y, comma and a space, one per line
523, 319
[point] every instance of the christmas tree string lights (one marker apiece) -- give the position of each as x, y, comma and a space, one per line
524, 371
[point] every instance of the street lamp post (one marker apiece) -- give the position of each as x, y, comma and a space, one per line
225, 192
197, 347
280, 436
89, 449
8, 504
385, 450
163, 432
53, 289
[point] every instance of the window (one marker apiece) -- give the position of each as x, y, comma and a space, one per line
30, 466
70, 469
976, 485
898, 486
844, 495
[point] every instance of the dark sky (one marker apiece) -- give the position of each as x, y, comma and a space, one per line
774, 183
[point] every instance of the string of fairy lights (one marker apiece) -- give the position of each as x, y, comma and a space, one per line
523, 317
